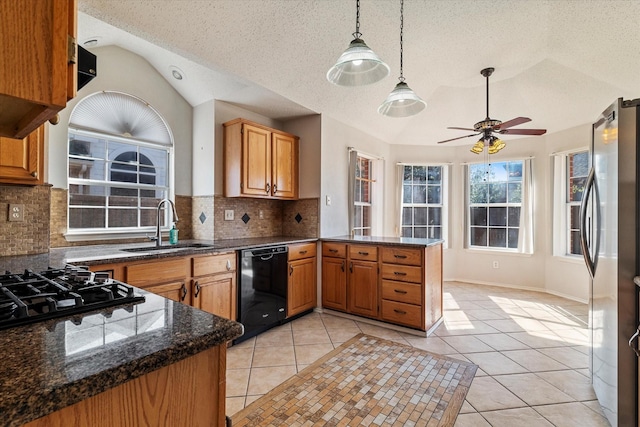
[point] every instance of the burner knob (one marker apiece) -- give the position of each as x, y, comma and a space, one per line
101, 277
84, 276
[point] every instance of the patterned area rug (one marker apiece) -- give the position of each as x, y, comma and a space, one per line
367, 381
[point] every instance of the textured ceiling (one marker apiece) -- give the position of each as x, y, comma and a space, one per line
559, 62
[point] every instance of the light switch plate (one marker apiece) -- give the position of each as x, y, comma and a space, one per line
228, 215
16, 212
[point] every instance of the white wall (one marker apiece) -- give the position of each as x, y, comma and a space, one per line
202, 171
124, 71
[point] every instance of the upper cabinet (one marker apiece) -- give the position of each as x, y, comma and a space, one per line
22, 160
259, 161
38, 66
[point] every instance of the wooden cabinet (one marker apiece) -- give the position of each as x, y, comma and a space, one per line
396, 284
302, 287
207, 282
22, 160
259, 161
38, 69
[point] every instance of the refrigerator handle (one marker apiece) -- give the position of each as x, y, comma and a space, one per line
588, 259
632, 339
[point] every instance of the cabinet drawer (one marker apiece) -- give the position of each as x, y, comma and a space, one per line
302, 250
402, 292
363, 252
151, 273
405, 256
338, 250
403, 273
213, 264
405, 314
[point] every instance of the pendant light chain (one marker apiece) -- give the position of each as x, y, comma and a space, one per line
357, 34
401, 32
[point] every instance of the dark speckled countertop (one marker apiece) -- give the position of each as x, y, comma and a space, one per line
408, 241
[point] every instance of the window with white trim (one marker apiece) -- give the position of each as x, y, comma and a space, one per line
495, 204
423, 201
363, 197
120, 166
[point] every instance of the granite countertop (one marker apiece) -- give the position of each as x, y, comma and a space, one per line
52, 364
379, 240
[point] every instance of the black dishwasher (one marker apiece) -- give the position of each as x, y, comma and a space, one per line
262, 289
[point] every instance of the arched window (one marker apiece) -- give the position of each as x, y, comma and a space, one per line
120, 152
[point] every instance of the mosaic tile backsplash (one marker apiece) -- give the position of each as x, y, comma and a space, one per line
30, 236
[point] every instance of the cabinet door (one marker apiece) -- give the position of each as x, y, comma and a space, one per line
302, 292
176, 291
256, 161
363, 288
216, 295
334, 283
284, 165
21, 160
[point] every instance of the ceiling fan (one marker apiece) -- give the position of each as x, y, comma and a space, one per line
487, 127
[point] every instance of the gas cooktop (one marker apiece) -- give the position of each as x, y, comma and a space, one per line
31, 297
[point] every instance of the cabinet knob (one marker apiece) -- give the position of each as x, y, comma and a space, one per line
197, 290
55, 119
183, 291
228, 265
34, 174
267, 188
342, 266
275, 188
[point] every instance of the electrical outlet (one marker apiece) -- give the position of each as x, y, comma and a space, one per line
496, 264
261, 215
16, 212
228, 215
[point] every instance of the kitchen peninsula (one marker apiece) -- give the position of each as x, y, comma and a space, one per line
396, 280
155, 362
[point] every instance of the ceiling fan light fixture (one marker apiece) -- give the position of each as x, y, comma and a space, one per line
495, 145
477, 147
402, 102
358, 65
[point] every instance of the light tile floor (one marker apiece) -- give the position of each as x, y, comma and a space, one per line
531, 349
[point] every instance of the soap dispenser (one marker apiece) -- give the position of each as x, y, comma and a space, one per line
173, 235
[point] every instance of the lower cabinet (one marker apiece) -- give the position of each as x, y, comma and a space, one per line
334, 283
216, 294
302, 288
363, 288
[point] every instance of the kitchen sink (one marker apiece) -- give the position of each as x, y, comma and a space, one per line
170, 248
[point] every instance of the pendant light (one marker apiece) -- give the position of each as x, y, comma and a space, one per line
358, 65
402, 101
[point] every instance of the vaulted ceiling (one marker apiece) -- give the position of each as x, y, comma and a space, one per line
559, 62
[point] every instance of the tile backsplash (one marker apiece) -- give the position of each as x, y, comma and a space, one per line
31, 235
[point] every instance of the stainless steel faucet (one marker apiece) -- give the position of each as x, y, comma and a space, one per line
158, 236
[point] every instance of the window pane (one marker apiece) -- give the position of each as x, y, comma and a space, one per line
478, 236
478, 216
357, 222
407, 216
419, 175
84, 195
148, 218
366, 216
497, 216
498, 193
579, 164
478, 193
406, 176
420, 216
574, 244
434, 174
513, 238
86, 218
435, 216
574, 217
406, 232
515, 192
435, 232
515, 171
498, 237
86, 168
576, 188
420, 232
477, 173
433, 195
406, 194
358, 193
123, 218
514, 217
85, 146
420, 194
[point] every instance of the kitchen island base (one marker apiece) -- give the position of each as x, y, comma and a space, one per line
190, 392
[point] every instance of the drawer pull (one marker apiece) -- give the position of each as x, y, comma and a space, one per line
228, 265
302, 252
198, 287
399, 273
333, 251
400, 256
399, 311
183, 291
363, 253
342, 266
351, 267
399, 291
290, 270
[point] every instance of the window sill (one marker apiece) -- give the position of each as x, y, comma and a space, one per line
87, 236
497, 252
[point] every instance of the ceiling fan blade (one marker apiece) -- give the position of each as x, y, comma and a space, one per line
523, 131
469, 129
513, 122
460, 137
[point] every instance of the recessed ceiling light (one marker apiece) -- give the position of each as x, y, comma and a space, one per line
177, 73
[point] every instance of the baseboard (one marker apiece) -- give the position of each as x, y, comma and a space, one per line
522, 288
374, 322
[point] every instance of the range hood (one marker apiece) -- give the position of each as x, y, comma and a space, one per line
87, 66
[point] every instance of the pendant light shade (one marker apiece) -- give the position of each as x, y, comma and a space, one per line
358, 65
402, 101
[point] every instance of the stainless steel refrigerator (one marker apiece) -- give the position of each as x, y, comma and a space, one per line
609, 233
